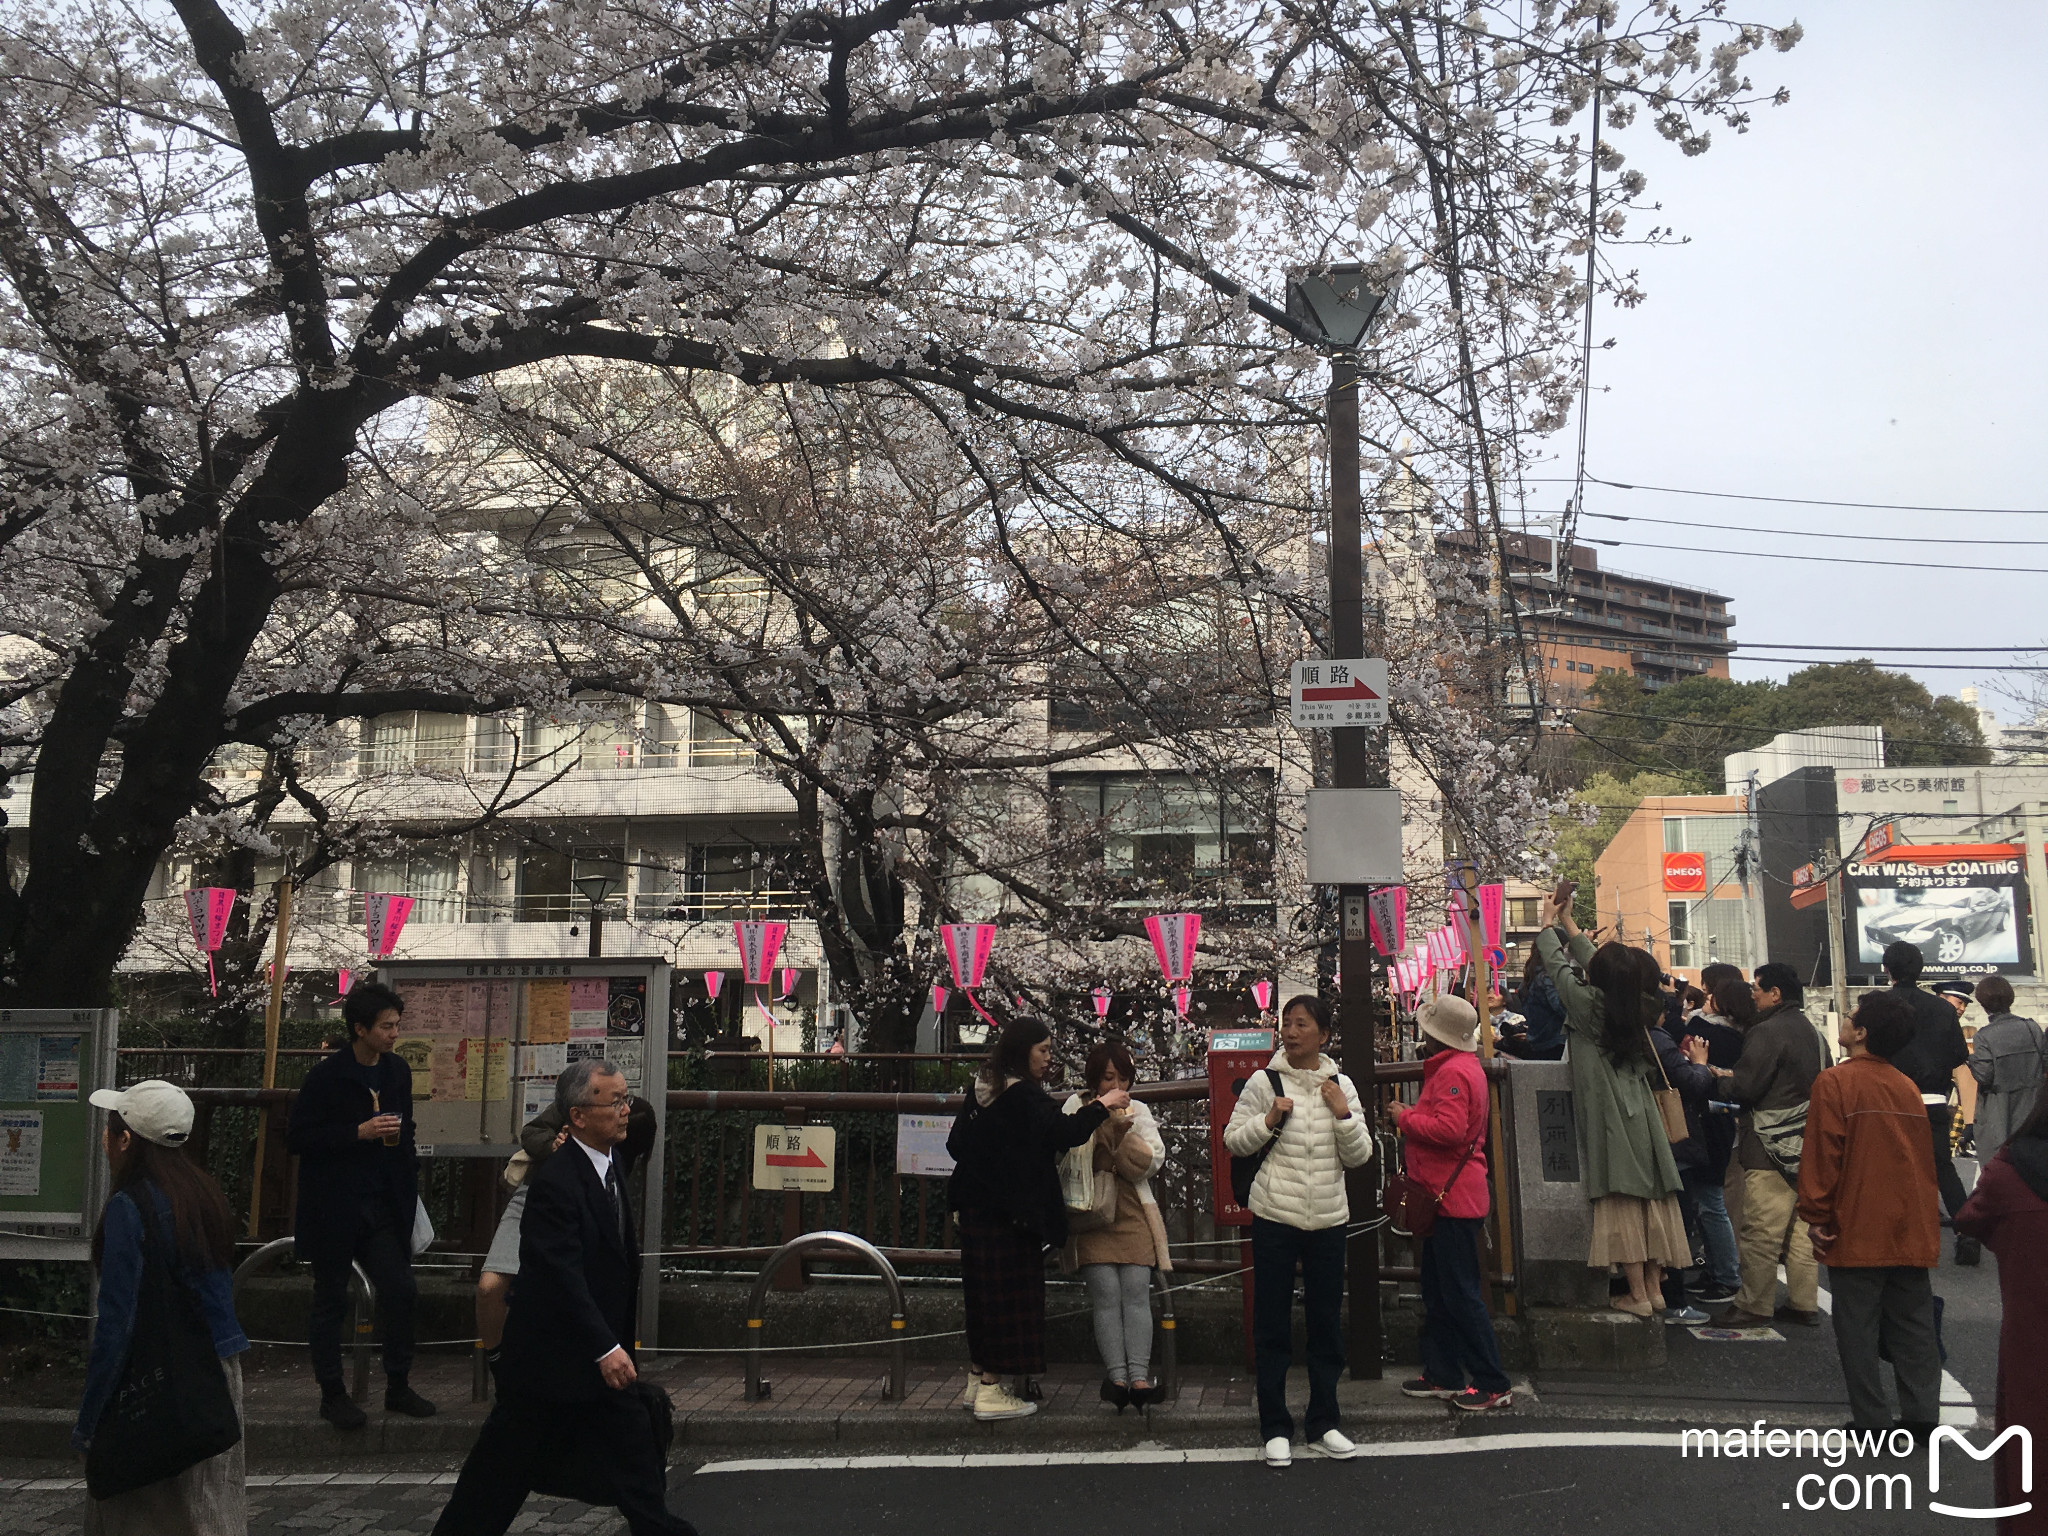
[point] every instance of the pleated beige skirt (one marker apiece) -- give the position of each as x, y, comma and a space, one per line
1631, 1230
210, 1499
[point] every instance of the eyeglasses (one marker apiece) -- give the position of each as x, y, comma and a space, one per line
624, 1101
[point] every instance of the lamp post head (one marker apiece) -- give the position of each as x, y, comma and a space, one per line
1338, 304
596, 889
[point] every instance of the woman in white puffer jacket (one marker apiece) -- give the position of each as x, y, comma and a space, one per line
1316, 1130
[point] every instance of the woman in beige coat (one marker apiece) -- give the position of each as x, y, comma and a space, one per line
1116, 1259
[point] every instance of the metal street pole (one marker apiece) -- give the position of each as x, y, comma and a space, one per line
1350, 769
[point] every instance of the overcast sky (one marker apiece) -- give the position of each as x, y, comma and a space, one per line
1861, 314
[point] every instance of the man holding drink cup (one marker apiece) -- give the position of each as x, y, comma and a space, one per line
352, 1131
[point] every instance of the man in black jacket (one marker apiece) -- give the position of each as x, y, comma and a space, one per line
568, 1410
1938, 1056
352, 1131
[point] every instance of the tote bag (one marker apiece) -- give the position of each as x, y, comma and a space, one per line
1669, 1104
172, 1409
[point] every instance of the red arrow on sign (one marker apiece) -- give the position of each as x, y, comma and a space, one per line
1355, 689
810, 1159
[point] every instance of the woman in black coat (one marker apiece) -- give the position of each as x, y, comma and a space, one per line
1006, 1146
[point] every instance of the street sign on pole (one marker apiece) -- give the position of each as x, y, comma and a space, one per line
1333, 695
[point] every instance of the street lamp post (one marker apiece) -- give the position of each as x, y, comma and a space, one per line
1339, 307
597, 890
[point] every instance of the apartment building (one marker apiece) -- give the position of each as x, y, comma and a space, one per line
1587, 620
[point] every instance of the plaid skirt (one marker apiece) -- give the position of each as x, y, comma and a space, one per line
1002, 1278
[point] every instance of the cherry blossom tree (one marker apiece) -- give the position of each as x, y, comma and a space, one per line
251, 255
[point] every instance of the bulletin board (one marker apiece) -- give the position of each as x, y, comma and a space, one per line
486, 1040
52, 1172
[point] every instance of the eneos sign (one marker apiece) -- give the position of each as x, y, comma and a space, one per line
1685, 871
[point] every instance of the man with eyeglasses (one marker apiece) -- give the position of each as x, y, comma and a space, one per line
570, 1417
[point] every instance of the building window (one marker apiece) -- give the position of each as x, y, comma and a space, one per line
1525, 912
429, 878
1679, 929
415, 741
1170, 836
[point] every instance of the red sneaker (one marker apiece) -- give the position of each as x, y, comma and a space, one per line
1472, 1400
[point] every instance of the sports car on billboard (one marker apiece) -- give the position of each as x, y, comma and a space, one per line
1942, 923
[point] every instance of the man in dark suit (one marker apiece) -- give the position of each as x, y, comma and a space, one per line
352, 1131
567, 1409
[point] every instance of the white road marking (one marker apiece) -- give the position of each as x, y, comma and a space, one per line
1142, 1456
1957, 1406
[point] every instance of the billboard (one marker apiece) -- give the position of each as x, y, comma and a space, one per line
1963, 904
1685, 871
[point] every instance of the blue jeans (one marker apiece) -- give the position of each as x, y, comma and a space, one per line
1457, 1334
1276, 1248
1717, 1232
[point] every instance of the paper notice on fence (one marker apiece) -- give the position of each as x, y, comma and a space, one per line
533, 1098
57, 1067
921, 1144
547, 1012
21, 1152
417, 1052
589, 1006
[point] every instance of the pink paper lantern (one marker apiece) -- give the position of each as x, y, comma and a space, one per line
758, 942
968, 946
1180, 1001
940, 997
1262, 994
789, 981
1100, 997
713, 982
1174, 937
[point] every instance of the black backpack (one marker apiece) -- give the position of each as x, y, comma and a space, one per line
1246, 1168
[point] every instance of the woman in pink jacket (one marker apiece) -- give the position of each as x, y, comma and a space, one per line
1443, 1136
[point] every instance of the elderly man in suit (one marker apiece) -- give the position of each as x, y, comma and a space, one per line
567, 1411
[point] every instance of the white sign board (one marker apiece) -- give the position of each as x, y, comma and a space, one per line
1354, 837
921, 1145
1329, 695
800, 1157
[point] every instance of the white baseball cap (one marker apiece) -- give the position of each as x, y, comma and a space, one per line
153, 1109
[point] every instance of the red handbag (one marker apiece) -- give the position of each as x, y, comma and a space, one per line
1412, 1206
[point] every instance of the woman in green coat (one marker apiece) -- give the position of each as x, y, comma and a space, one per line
1610, 1000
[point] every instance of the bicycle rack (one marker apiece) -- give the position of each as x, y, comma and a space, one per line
364, 1294
835, 1242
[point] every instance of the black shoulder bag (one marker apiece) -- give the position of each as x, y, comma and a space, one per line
1245, 1169
173, 1409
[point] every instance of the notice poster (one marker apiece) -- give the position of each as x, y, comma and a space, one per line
57, 1068
433, 1007
19, 1063
589, 1006
547, 1012
417, 1052
1963, 904
449, 1086
543, 1060
921, 1145
21, 1152
487, 1009
533, 1098
486, 1069
587, 1050
630, 1057
626, 1006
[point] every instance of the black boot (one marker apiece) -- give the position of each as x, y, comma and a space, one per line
399, 1397
337, 1409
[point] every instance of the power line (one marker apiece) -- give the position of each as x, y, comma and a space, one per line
1764, 554
1919, 666
1799, 501
1786, 645
1813, 533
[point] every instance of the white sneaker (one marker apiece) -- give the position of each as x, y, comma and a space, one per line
1334, 1444
973, 1390
992, 1400
1279, 1453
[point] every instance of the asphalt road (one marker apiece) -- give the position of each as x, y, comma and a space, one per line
1532, 1484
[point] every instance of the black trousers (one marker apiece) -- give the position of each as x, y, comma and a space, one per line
1945, 1175
386, 1257
1458, 1341
525, 1438
1276, 1248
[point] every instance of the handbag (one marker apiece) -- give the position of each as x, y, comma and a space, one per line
173, 1409
1243, 1170
1412, 1206
586, 1473
1669, 1104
